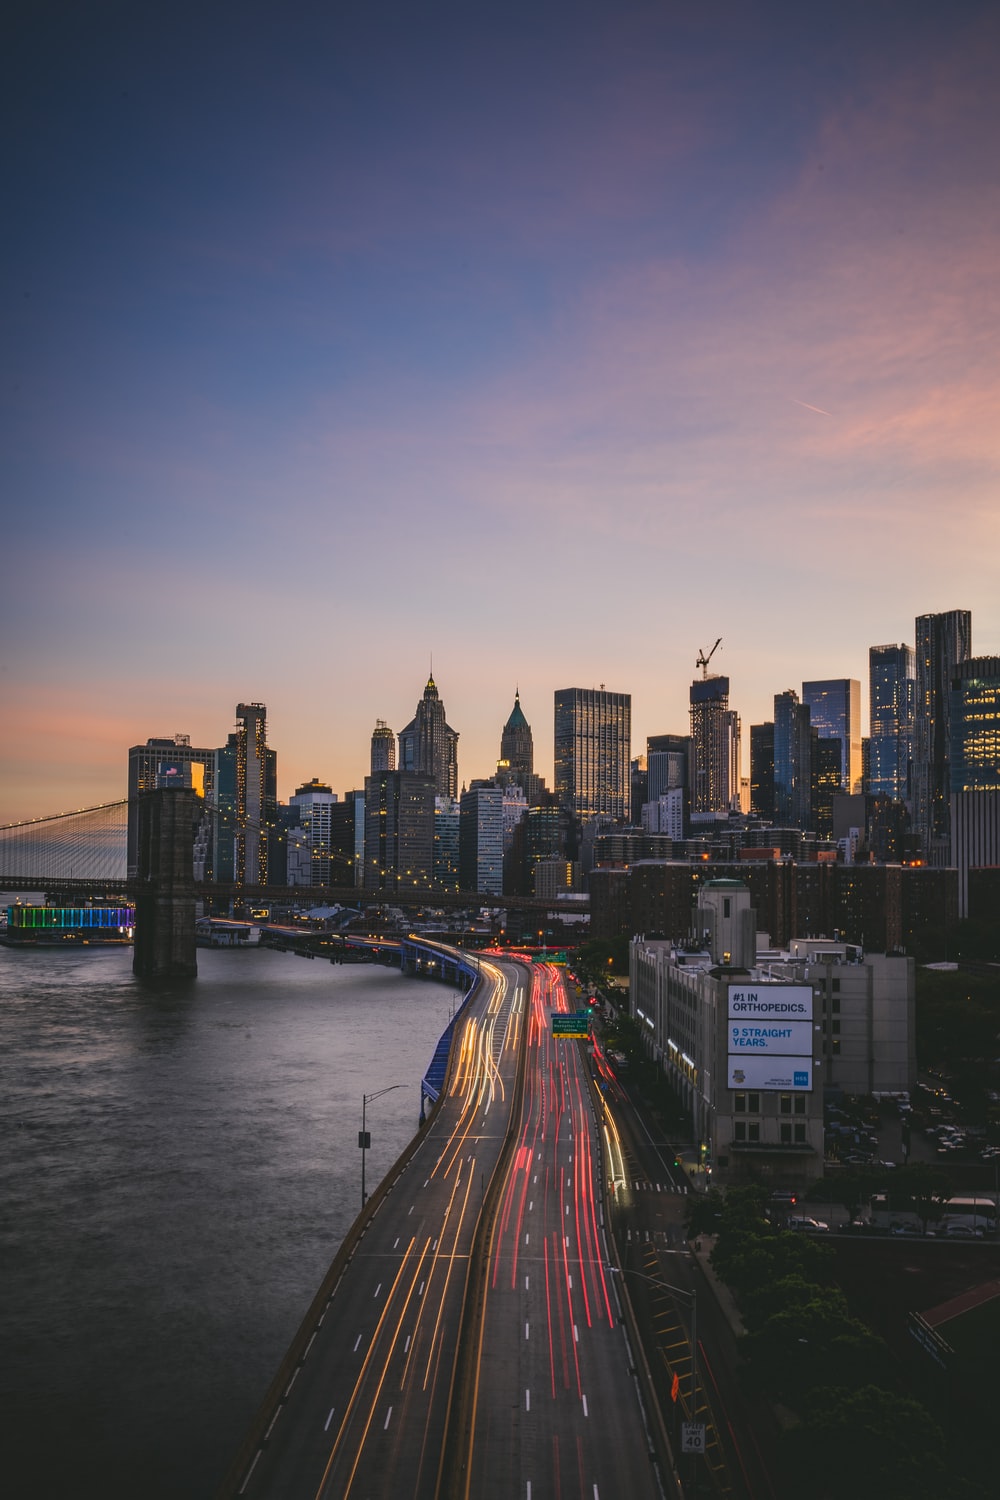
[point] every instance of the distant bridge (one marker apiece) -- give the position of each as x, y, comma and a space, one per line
82, 855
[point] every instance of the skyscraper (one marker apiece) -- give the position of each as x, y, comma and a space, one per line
792, 761
715, 747
383, 748
975, 770
516, 766
835, 713
256, 794
480, 847
313, 803
517, 750
399, 831
892, 691
944, 642
429, 746
762, 771
593, 733
974, 709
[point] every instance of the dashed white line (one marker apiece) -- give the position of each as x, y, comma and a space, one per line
389, 1414
358, 1341
406, 1346
377, 1290
329, 1419
421, 1291
527, 1400
586, 1413
526, 1330
576, 1337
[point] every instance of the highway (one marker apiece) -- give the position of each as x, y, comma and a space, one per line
554, 1404
364, 1410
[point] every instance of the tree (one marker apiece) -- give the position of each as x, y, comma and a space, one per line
923, 1188
748, 1258
815, 1343
867, 1444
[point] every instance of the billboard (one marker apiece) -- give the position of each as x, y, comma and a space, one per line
771, 1002
770, 1037
789, 1074
788, 1039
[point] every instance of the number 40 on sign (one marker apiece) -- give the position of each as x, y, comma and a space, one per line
692, 1437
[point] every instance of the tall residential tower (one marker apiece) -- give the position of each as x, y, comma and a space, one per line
593, 735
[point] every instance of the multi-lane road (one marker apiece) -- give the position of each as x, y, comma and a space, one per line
470, 1342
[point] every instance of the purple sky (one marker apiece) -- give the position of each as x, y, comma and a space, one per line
553, 340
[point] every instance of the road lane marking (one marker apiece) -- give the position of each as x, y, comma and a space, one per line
421, 1291
526, 1330
377, 1290
396, 1242
388, 1415
527, 1400
329, 1419
358, 1341
586, 1413
406, 1346
576, 1336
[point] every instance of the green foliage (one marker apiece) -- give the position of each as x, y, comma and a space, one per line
786, 1295
923, 1188
850, 1189
867, 1444
599, 958
705, 1213
747, 1258
813, 1343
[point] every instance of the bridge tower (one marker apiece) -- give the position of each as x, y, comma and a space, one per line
164, 903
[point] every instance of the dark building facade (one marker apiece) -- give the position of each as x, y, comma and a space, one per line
428, 745
762, 771
399, 831
892, 688
593, 730
944, 642
792, 761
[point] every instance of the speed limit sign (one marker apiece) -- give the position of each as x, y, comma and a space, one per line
692, 1437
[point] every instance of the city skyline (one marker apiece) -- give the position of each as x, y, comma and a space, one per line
552, 344
288, 781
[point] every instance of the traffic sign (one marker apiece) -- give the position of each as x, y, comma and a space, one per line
571, 1023
692, 1437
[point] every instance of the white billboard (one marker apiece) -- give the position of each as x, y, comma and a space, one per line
771, 1002
789, 1074
786, 1039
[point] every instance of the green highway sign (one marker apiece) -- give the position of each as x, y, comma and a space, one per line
571, 1023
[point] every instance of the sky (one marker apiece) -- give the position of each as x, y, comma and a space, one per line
545, 343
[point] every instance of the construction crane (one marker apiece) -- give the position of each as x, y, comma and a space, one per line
703, 660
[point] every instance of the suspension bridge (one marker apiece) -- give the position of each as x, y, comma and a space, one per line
84, 856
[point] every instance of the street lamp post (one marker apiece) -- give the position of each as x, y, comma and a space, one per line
364, 1138
691, 1297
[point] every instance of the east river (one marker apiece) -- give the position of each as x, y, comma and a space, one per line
179, 1167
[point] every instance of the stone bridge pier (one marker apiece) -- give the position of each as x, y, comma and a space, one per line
165, 898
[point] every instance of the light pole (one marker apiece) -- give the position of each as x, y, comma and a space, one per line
691, 1298
364, 1138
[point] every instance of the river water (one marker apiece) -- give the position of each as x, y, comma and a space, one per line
179, 1167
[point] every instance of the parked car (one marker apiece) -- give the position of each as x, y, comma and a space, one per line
802, 1221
